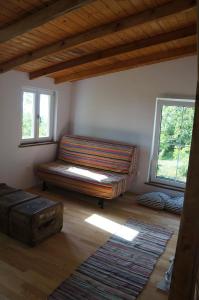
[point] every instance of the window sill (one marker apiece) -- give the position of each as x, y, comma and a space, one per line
165, 186
36, 144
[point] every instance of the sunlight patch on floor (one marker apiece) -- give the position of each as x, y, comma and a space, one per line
110, 226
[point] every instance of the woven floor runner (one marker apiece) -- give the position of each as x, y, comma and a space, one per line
120, 269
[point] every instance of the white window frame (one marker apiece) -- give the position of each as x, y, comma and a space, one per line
37, 92
160, 102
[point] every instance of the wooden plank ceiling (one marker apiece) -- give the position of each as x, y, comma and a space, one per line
70, 40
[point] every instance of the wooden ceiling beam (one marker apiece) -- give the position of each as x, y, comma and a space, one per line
128, 64
149, 15
40, 17
111, 52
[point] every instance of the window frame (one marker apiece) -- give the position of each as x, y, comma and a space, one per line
160, 102
36, 139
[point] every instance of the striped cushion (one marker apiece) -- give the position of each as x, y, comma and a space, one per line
96, 154
155, 200
107, 185
82, 173
175, 205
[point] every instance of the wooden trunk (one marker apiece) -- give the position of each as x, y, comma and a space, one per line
5, 189
33, 221
7, 202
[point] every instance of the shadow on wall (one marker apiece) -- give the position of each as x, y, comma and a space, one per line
72, 110
142, 140
126, 136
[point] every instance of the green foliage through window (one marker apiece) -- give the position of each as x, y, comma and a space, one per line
28, 115
175, 141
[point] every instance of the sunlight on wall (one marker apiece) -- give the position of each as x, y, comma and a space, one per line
120, 230
86, 173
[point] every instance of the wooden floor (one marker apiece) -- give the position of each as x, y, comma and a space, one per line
33, 273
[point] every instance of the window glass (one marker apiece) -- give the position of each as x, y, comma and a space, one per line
172, 142
44, 115
28, 115
38, 108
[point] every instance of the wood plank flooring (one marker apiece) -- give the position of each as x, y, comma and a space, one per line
33, 273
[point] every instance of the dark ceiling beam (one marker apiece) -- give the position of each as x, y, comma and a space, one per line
112, 52
128, 64
68, 43
40, 17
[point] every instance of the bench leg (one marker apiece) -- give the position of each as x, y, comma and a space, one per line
101, 203
44, 186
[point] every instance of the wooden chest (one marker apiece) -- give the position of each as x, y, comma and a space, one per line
5, 189
7, 202
33, 221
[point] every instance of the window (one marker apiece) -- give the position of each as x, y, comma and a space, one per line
172, 141
38, 107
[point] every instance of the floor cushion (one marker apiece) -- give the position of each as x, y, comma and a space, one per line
155, 200
175, 205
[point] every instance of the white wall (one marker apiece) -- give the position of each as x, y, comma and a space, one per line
121, 106
17, 164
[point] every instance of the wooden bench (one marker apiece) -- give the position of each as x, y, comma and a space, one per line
95, 167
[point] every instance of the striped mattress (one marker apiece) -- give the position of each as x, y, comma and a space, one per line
95, 167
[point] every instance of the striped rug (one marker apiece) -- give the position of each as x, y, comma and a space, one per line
118, 270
